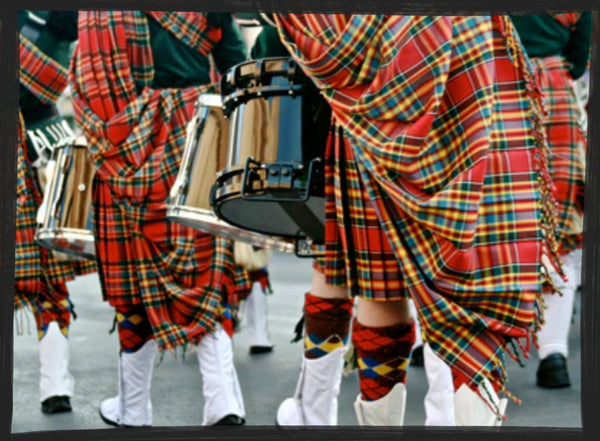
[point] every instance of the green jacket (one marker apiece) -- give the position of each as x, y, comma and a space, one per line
53, 32
543, 36
178, 65
268, 44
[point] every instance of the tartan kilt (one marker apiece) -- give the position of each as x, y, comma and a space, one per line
567, 142
186, 280
357, 253
38, 275
461, 190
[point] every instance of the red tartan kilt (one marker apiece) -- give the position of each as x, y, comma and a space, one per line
567, 143
185, 279
119, 251
358, 254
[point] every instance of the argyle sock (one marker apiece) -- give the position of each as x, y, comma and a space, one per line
53, 308
327, 324
383, 356
134, 327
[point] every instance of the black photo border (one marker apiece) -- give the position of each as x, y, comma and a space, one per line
590, 309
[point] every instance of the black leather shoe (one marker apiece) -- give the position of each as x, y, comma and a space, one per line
260, 349
416, 358
231, 420
56, 404
552, 372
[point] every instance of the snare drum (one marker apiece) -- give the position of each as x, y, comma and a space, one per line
66, 211
204, 154
273, 182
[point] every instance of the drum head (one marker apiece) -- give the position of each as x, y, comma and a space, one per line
280, 218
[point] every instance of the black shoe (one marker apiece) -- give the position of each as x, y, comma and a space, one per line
56, 404
231, 420
416, 358
260, 349
552, 372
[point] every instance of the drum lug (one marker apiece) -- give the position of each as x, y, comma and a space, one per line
249, 175
280, 175
212, 197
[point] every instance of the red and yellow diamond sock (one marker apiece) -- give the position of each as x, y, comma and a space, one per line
327, 324
134, 327
383, 356
54, 307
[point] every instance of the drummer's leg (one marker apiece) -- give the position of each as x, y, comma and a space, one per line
439, 406
553, 336
137, 355
383, 334
49, 302
133, 327
327, 314
52, 314
256, 313
416, 357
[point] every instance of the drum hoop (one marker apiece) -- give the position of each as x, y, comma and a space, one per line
238, 174
236, 187
233, 184
210, 100
67, 233
262, 68
298, 236
79, 142
263, 65
242, 96
46, 237
203, 216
